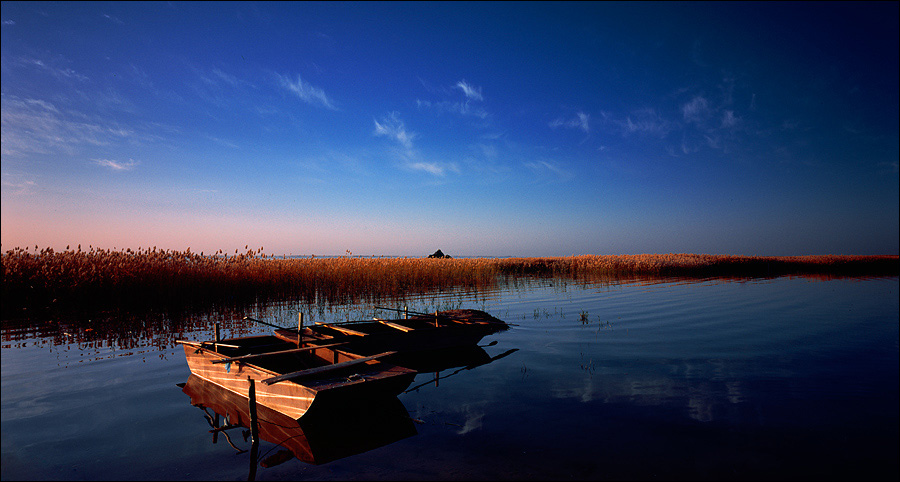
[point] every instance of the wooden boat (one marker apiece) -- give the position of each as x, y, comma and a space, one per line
325, 433
289, 378
418, 332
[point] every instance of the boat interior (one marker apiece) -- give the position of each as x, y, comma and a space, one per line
277, 355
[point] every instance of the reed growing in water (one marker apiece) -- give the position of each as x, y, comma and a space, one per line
98, 279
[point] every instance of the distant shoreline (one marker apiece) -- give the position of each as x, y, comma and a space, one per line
34, 281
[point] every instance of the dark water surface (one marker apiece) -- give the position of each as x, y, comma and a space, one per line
788, 378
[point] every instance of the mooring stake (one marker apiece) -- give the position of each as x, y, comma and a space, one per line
299, 328
254, 431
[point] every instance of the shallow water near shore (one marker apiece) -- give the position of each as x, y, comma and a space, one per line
785, 378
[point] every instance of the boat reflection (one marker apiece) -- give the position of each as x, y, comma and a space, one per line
325, 433
341, 428
436, 362
442, 359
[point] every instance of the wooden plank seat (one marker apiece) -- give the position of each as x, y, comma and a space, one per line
282, 352
324, 369
405, 329
204, 343
341, 329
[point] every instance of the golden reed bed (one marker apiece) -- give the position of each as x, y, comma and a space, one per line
98, 278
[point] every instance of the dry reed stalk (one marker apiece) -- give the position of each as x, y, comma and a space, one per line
152, 277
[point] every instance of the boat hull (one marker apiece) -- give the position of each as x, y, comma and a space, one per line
446, 330
295, 398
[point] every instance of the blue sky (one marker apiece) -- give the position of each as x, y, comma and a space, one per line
482, 129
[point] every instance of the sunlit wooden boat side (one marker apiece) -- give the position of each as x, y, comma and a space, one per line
291, 380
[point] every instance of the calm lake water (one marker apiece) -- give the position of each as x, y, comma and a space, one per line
787, 378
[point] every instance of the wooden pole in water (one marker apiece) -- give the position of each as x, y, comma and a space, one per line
254, 428
217, 337
254, 431
299, 328
435, 319
406, 312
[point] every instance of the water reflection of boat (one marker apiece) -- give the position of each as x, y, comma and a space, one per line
292, 379
346, 427
414, 333
441, 359
461, 358
347, 424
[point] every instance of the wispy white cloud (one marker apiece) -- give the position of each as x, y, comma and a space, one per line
645, 121
116, 165
113, 19
227, 78
464, 108
145, 81
19, 188
461, 108
431, 167
54, 70
42, 104
697, 110
38, 126
580, 121
687, 146
708, 121
471, 91
488, 150
217, 77
729, 119
790, 125
392, 127
542, 168
223, 142
8, 22
583, 121
306, 92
